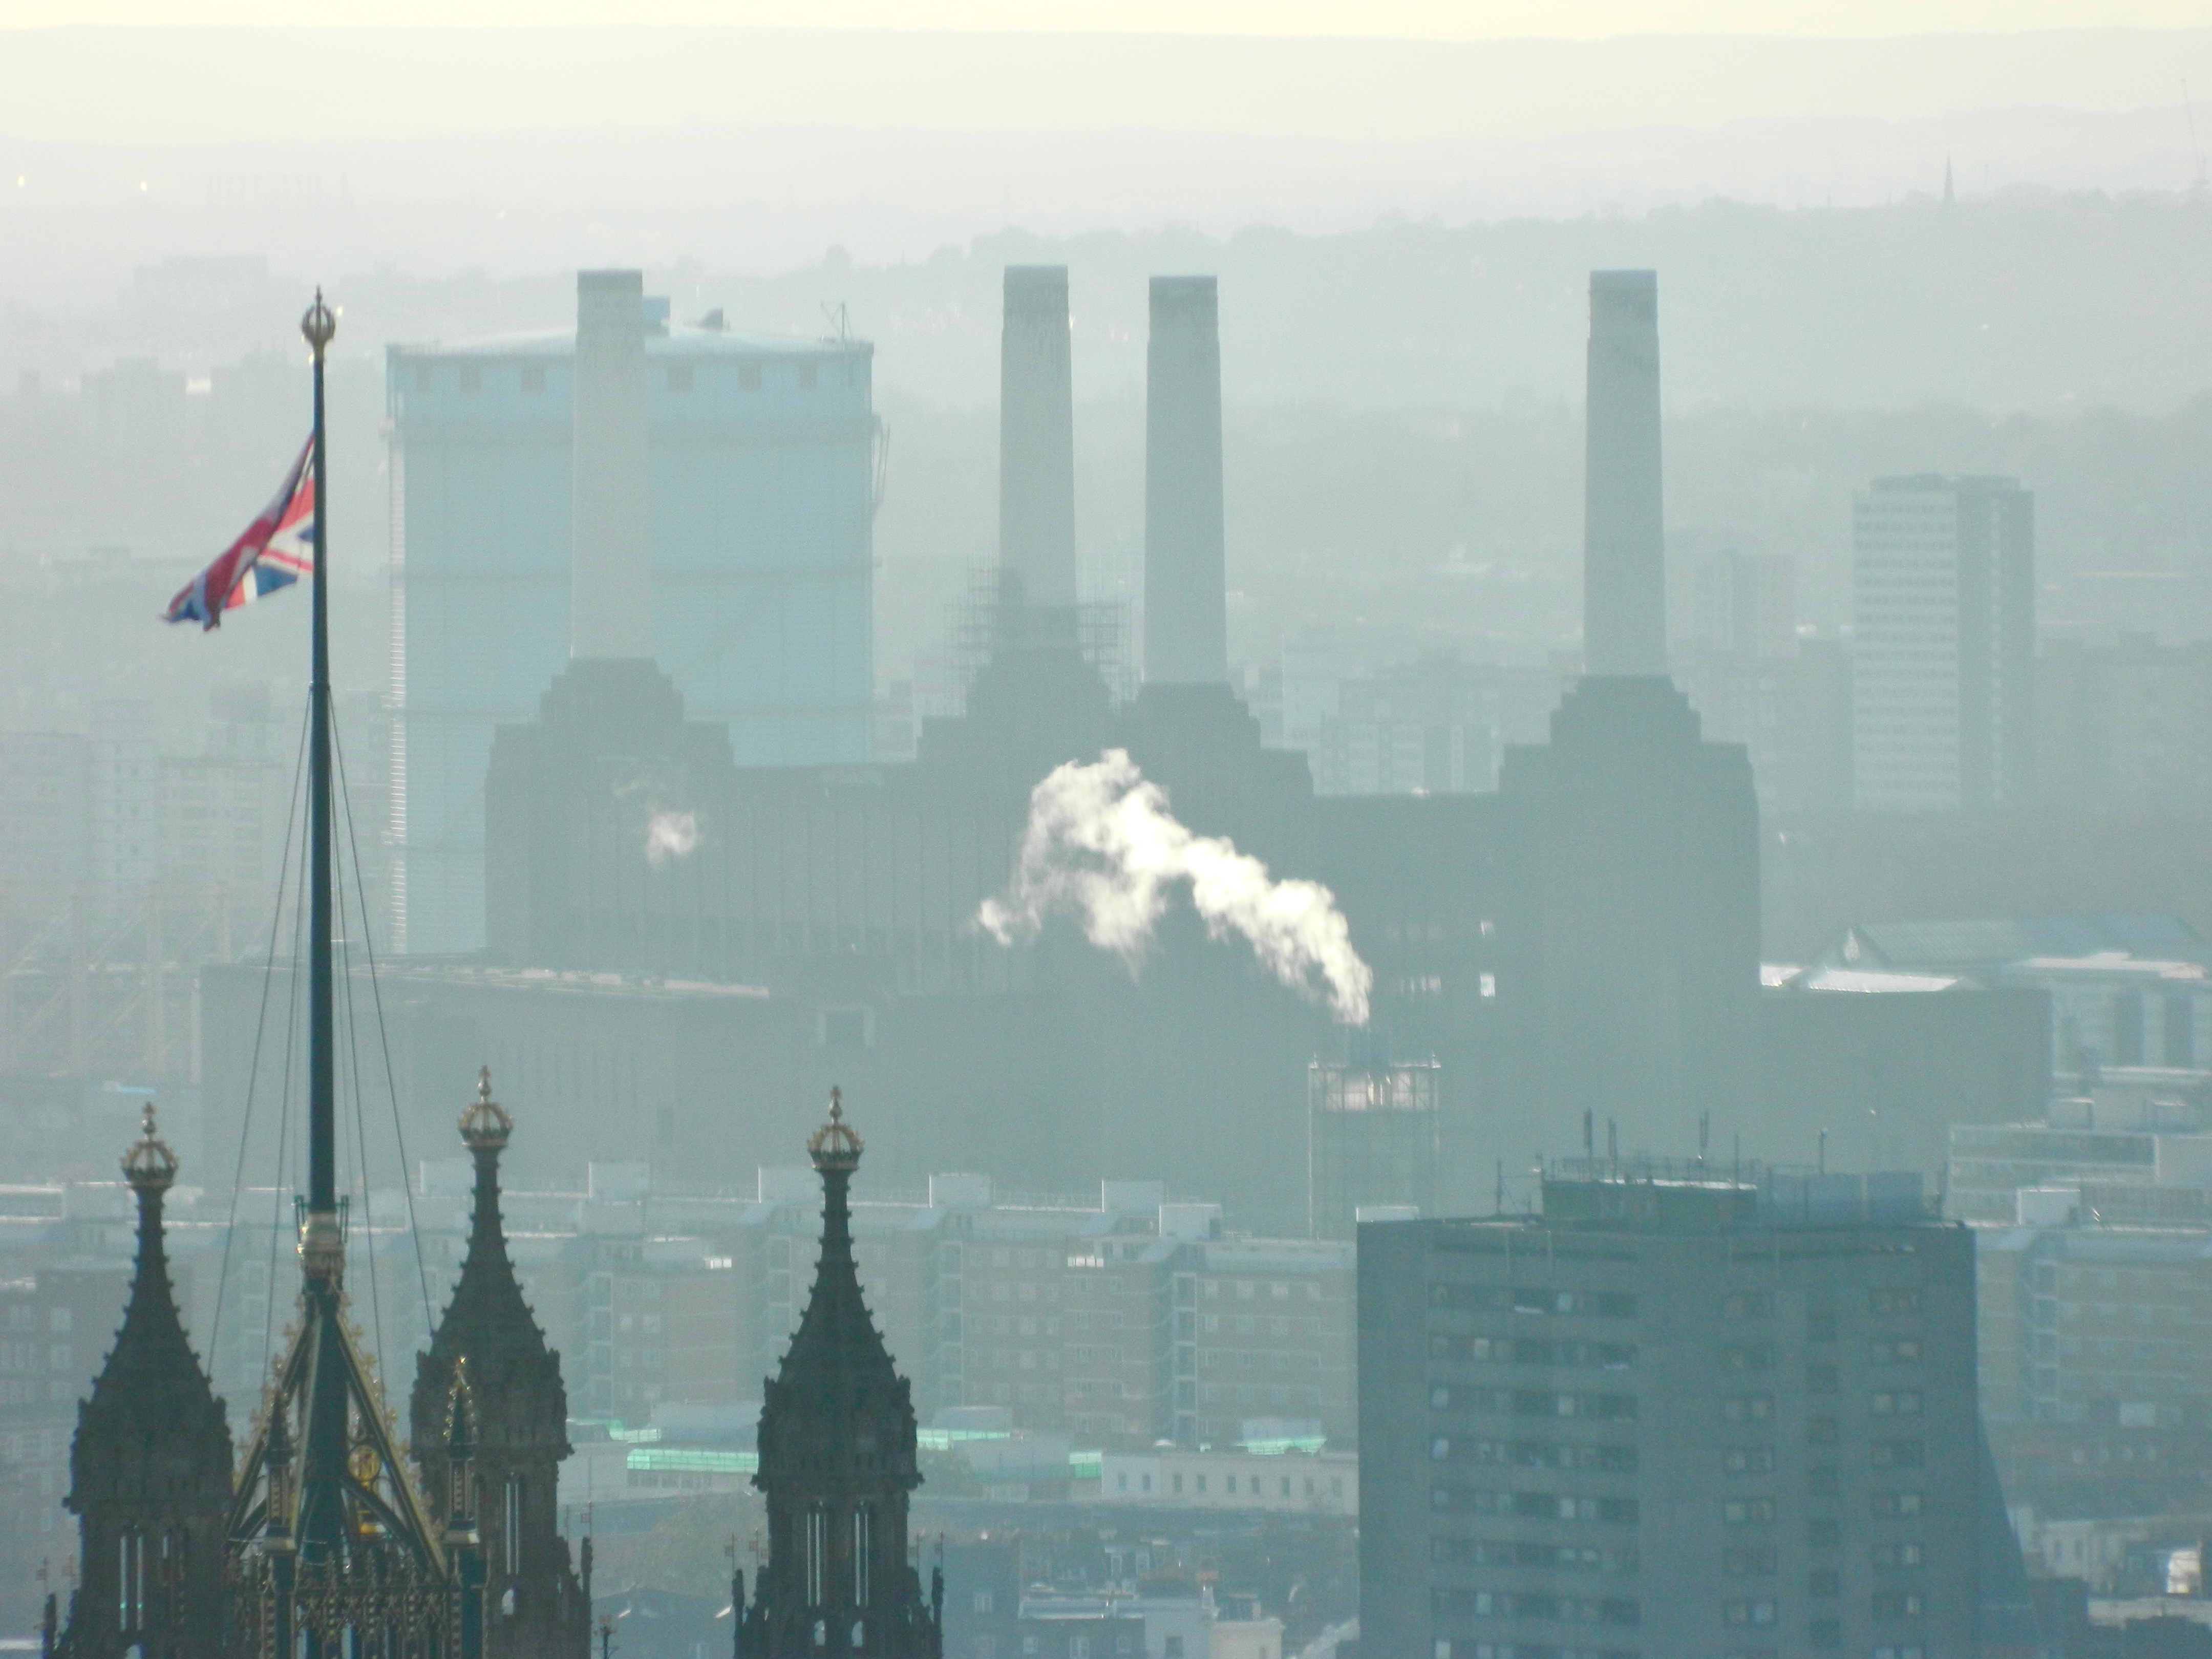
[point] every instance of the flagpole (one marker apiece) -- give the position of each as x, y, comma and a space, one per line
319, 326
324, 1443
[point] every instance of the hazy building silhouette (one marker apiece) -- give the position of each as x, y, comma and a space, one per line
1943, 644
1675, 1414
1635, 913
722, 489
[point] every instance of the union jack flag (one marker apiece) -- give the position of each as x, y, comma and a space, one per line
274, 551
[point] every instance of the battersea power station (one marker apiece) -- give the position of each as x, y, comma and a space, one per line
1572, 959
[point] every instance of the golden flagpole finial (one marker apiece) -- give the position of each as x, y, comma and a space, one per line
319, 324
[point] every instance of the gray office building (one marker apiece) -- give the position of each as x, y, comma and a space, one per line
1677, 1415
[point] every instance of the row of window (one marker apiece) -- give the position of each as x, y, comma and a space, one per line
1760, 1560
1533, 1299
1825, 1532
1534, 1454
677, 377
1445, 1649
1889, 1607
1532, 1351
1533, 1402
1533, 1505
1522, 1553
1536, 1606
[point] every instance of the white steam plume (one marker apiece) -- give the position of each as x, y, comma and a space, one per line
670, 835
1102, 843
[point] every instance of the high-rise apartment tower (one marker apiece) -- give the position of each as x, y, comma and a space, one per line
1943, 646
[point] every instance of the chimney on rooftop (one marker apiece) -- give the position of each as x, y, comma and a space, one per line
1186, 616
1624, 551
610, 600
1036, 438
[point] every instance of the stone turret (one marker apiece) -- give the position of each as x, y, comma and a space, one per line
837, 1464
488, 1349
149, 1470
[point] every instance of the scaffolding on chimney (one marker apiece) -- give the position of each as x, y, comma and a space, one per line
991, 615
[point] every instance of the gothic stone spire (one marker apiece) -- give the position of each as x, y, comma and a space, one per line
837, 1463
149, 1470
519, 1412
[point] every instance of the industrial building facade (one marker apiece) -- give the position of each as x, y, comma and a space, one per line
761, 459
1671, 1417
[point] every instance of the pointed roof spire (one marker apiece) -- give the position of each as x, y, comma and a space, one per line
1950, 196
151, 1398
514, 1378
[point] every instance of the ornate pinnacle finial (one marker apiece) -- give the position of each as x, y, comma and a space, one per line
485, 1124
149, 1166
834, 1146
319, 326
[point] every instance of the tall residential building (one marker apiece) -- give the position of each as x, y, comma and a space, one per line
1677, 1416
760, 457
1943, 651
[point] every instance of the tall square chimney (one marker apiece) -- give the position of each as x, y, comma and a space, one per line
1186, 616
1624, 542
610, 577
1036, 439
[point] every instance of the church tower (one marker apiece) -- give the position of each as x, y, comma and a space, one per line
533, 1606
149, 1470
837, 1462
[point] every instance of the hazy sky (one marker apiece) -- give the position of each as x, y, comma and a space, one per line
1446, 20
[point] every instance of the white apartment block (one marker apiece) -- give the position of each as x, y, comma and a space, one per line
1943, 693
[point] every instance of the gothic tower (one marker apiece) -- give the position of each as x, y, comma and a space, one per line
836, 1461
534, 1607
150, 1471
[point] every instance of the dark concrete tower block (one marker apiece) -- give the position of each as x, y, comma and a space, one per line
535, 1609
1186, 579
149, 1470
1624, 551
610, 589
837, 1463
1036, 438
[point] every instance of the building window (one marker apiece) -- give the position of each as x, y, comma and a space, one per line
511, 1526
679, 377
864, 1529
817, 1559
472, 379
749, 377
534, 382
807, 376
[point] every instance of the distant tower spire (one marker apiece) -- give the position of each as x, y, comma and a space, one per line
837, 1463
149, 1473
1950, 196
489, 1348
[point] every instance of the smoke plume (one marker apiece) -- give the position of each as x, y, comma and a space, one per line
1102, 844
670, 835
